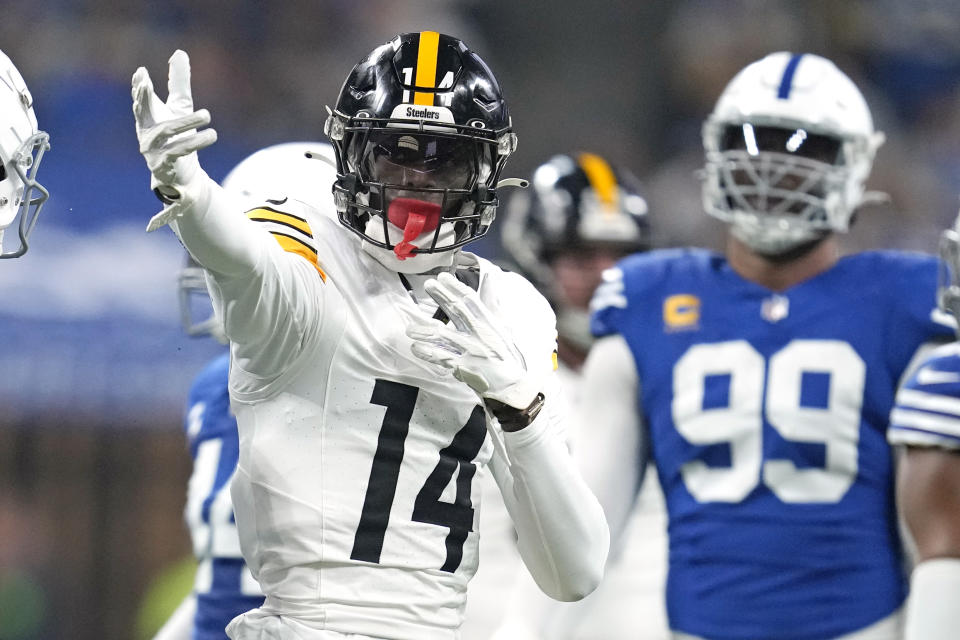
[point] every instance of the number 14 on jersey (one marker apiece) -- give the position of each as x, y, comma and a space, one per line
399, 400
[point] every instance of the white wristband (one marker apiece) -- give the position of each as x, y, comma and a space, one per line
933, 610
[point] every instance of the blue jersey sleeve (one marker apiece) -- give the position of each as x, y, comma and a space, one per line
609, 303
927, 410
911, 279
628, 289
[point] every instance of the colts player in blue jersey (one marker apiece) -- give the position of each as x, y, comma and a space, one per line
224, 587
926, 420
760, 382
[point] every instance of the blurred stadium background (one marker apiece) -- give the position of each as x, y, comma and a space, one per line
93, 367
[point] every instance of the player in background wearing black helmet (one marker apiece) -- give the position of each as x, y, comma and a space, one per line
376, 368
580, 216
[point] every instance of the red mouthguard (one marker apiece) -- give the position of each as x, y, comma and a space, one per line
414, 217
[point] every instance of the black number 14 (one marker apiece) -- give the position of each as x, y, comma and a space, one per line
399, 399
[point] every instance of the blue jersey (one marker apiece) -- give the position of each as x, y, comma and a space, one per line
927, 413
766, 416
224, 587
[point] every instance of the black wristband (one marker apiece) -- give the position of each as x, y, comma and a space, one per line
166, 198
512, 419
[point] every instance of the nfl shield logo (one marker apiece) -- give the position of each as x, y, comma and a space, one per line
775, 308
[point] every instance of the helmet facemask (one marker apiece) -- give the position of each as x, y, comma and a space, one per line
197, 316
421, 132
778, 186
416, 189
789, 146
20, 193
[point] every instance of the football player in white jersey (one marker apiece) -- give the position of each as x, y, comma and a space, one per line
374, 364
22, 146
580, 216
757, 389
926, 422
223, 587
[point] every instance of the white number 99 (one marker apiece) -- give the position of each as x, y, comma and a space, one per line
740, 422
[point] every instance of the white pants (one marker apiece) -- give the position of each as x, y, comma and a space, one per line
890, 628
255, 625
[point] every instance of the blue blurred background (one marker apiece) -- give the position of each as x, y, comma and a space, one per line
93, 366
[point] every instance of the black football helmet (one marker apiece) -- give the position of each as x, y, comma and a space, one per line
577, 202
421, 133
581, 208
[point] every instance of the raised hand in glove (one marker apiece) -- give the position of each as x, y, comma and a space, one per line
478, 352
168, 136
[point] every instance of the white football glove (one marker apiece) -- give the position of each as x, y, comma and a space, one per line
475, 348
168, 136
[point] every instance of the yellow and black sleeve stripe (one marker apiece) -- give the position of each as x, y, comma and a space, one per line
291, 232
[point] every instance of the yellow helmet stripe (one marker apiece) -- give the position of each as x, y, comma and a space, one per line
270, 215
601, 177
293, 245
426, 67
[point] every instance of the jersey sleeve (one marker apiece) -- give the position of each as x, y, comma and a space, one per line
927, 409
292, 232
625, 290
613, 455
264, 277
609, 303
562, 535
911, 281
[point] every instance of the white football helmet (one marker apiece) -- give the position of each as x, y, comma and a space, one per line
789, 146
22, 146
302, 171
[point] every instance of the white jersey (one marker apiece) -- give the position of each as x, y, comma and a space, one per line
354, 494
